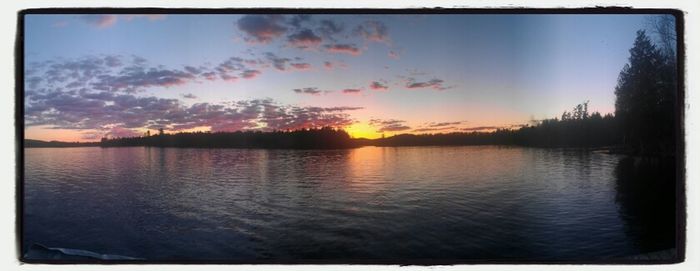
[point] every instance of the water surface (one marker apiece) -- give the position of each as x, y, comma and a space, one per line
476, 202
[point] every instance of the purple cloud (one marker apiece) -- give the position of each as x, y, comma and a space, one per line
189, 96
102, 111
262, 28
135, 79
111, 73
304, 39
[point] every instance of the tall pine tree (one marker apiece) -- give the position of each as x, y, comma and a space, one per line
645, 98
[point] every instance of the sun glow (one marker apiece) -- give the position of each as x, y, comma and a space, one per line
362, 130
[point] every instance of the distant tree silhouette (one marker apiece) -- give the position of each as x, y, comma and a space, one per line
323, 138
577, 128
646, 99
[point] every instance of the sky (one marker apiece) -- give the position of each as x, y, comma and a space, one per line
103, 75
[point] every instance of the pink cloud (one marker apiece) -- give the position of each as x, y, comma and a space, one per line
343, 49
108, 20
100, 20
301, 66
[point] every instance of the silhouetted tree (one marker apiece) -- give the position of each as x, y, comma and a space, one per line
646, 98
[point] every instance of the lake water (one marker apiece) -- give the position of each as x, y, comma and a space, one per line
388, 203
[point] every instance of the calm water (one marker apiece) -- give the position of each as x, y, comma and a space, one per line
481, 202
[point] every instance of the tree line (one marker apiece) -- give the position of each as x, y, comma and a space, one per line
322, 138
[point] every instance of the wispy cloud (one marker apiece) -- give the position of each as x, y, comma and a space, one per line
309, 90
108, 20
439, 129
389, 125
377, 85
434, 83
351, 91
443, 124
349, 49
480, 128
135, 74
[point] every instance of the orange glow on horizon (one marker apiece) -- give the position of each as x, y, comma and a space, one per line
357, 130
362, 130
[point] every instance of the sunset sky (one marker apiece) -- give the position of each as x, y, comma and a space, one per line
89, 76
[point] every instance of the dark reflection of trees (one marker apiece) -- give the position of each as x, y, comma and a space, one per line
646, 195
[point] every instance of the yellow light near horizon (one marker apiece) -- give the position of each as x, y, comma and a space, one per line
362, 130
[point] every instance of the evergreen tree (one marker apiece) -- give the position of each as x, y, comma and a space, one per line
645, 98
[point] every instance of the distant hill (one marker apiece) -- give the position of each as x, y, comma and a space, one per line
33, 143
